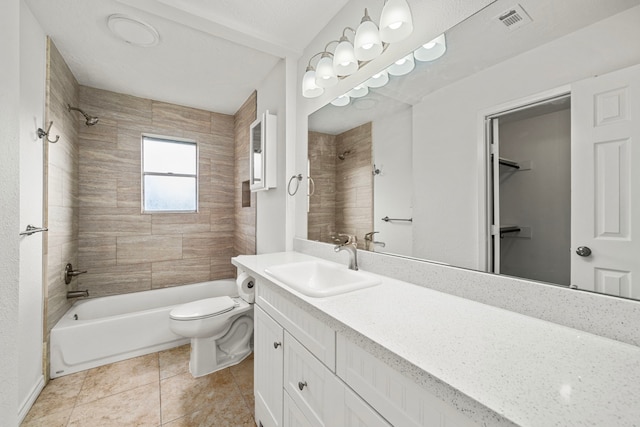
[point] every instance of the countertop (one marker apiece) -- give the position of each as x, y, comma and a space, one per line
529, 372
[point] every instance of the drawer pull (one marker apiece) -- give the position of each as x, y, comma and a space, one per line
277, 344
302, 385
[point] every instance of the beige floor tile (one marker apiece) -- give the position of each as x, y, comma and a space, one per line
60, 394
55, 419
174, 361
243, 375
136, 407
118, 377
182, 394
231, 412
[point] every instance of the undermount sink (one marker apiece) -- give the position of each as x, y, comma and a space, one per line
321, 279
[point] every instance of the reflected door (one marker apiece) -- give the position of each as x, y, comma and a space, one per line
606, 183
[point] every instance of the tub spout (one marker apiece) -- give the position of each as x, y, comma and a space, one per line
77, 294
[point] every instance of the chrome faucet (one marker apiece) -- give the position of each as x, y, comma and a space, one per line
370, 243
350, 246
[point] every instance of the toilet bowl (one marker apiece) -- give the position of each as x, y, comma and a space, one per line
220, 329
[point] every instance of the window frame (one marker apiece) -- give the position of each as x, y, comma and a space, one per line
175, 140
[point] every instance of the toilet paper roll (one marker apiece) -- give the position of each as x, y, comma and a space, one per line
246, 287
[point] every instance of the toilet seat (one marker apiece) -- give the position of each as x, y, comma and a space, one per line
202, 309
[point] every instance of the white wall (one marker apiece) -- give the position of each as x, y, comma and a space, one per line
9, 218
32, 95
271, 204
430, 19
447, 140
393, 186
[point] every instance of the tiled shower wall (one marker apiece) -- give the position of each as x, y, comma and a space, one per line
245, 216
125, 250
61, 169
346, 184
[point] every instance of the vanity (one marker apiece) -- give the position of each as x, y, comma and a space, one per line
402, 354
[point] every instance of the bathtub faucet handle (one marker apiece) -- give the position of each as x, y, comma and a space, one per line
70, 273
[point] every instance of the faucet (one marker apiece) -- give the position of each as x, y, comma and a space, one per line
370, 243
77, 294
350, 246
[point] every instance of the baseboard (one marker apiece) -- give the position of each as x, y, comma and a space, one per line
30, 399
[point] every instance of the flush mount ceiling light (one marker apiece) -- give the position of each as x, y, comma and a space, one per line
132, 30
432, 50
396, 22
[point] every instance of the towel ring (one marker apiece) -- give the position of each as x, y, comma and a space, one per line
298, 178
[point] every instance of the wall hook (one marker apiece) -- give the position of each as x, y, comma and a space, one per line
42, 134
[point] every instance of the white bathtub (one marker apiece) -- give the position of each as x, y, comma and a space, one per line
99, 331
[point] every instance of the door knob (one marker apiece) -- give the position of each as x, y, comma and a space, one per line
583, 251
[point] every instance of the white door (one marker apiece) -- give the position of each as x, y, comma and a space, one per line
268, 367
605, 176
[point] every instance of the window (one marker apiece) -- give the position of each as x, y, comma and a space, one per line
169, 175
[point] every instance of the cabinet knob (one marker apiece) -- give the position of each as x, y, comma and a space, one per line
302, 385
277, 344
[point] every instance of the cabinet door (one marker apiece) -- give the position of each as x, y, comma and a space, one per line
293, 417
316, 391
358, 414
268, 369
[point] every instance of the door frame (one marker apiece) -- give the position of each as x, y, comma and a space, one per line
484, 191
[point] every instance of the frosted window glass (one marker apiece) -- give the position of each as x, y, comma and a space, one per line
169, 193
162, 156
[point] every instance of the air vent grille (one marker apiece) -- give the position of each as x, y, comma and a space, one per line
514, 17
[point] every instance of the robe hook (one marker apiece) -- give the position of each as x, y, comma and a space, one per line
45, 134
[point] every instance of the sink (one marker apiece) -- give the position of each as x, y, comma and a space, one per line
321, 279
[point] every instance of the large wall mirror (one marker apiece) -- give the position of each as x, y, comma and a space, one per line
511, 153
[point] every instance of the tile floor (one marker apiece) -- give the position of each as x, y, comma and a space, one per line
152, 390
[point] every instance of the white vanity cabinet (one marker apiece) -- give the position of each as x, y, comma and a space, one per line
268, 340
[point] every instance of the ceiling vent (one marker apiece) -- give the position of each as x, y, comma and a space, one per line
514, 17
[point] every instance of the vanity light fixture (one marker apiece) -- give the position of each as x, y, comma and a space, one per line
309, 87
402, 66
359, 91
396, 22
367, 44
341, 101
344, 57
432, 50
379, 79
325, 73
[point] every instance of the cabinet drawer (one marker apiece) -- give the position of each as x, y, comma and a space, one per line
358, 414
311, 332
317, 391
293, 416
398, 399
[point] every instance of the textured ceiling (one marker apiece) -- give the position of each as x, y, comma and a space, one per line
211, 55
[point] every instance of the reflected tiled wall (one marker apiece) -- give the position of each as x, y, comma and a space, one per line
61, 170
245, 217
124, 249
321, 220
347, 184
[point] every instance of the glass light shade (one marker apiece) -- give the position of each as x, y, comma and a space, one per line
341, 101
432, 50
402, 66
344, 59
358, 91
378, 80
325, 75
395, 22
367, 44
309, 87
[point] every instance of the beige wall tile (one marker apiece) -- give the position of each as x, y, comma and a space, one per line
180, 272
114, 280
96, 251
189, 119
139, 249
114, 224
179, 223
207, 245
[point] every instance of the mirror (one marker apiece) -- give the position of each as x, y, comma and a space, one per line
262, 153
416, 151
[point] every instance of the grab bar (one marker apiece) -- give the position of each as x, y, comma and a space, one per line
387, 219
32, 230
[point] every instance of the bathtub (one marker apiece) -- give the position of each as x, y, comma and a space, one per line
99, 331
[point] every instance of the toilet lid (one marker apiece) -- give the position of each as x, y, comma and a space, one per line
202, 308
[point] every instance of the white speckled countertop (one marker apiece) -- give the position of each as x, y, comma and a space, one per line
514, 368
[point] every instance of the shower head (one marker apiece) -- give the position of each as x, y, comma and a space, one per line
89, 120
344, 154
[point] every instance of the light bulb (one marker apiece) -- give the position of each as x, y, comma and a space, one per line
402, 66
325, 75
367, 43
358, 91
378, 80
344, 58
341, 101
396, 22
309, 87
431, 50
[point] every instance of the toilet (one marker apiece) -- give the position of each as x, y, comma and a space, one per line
220, 329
